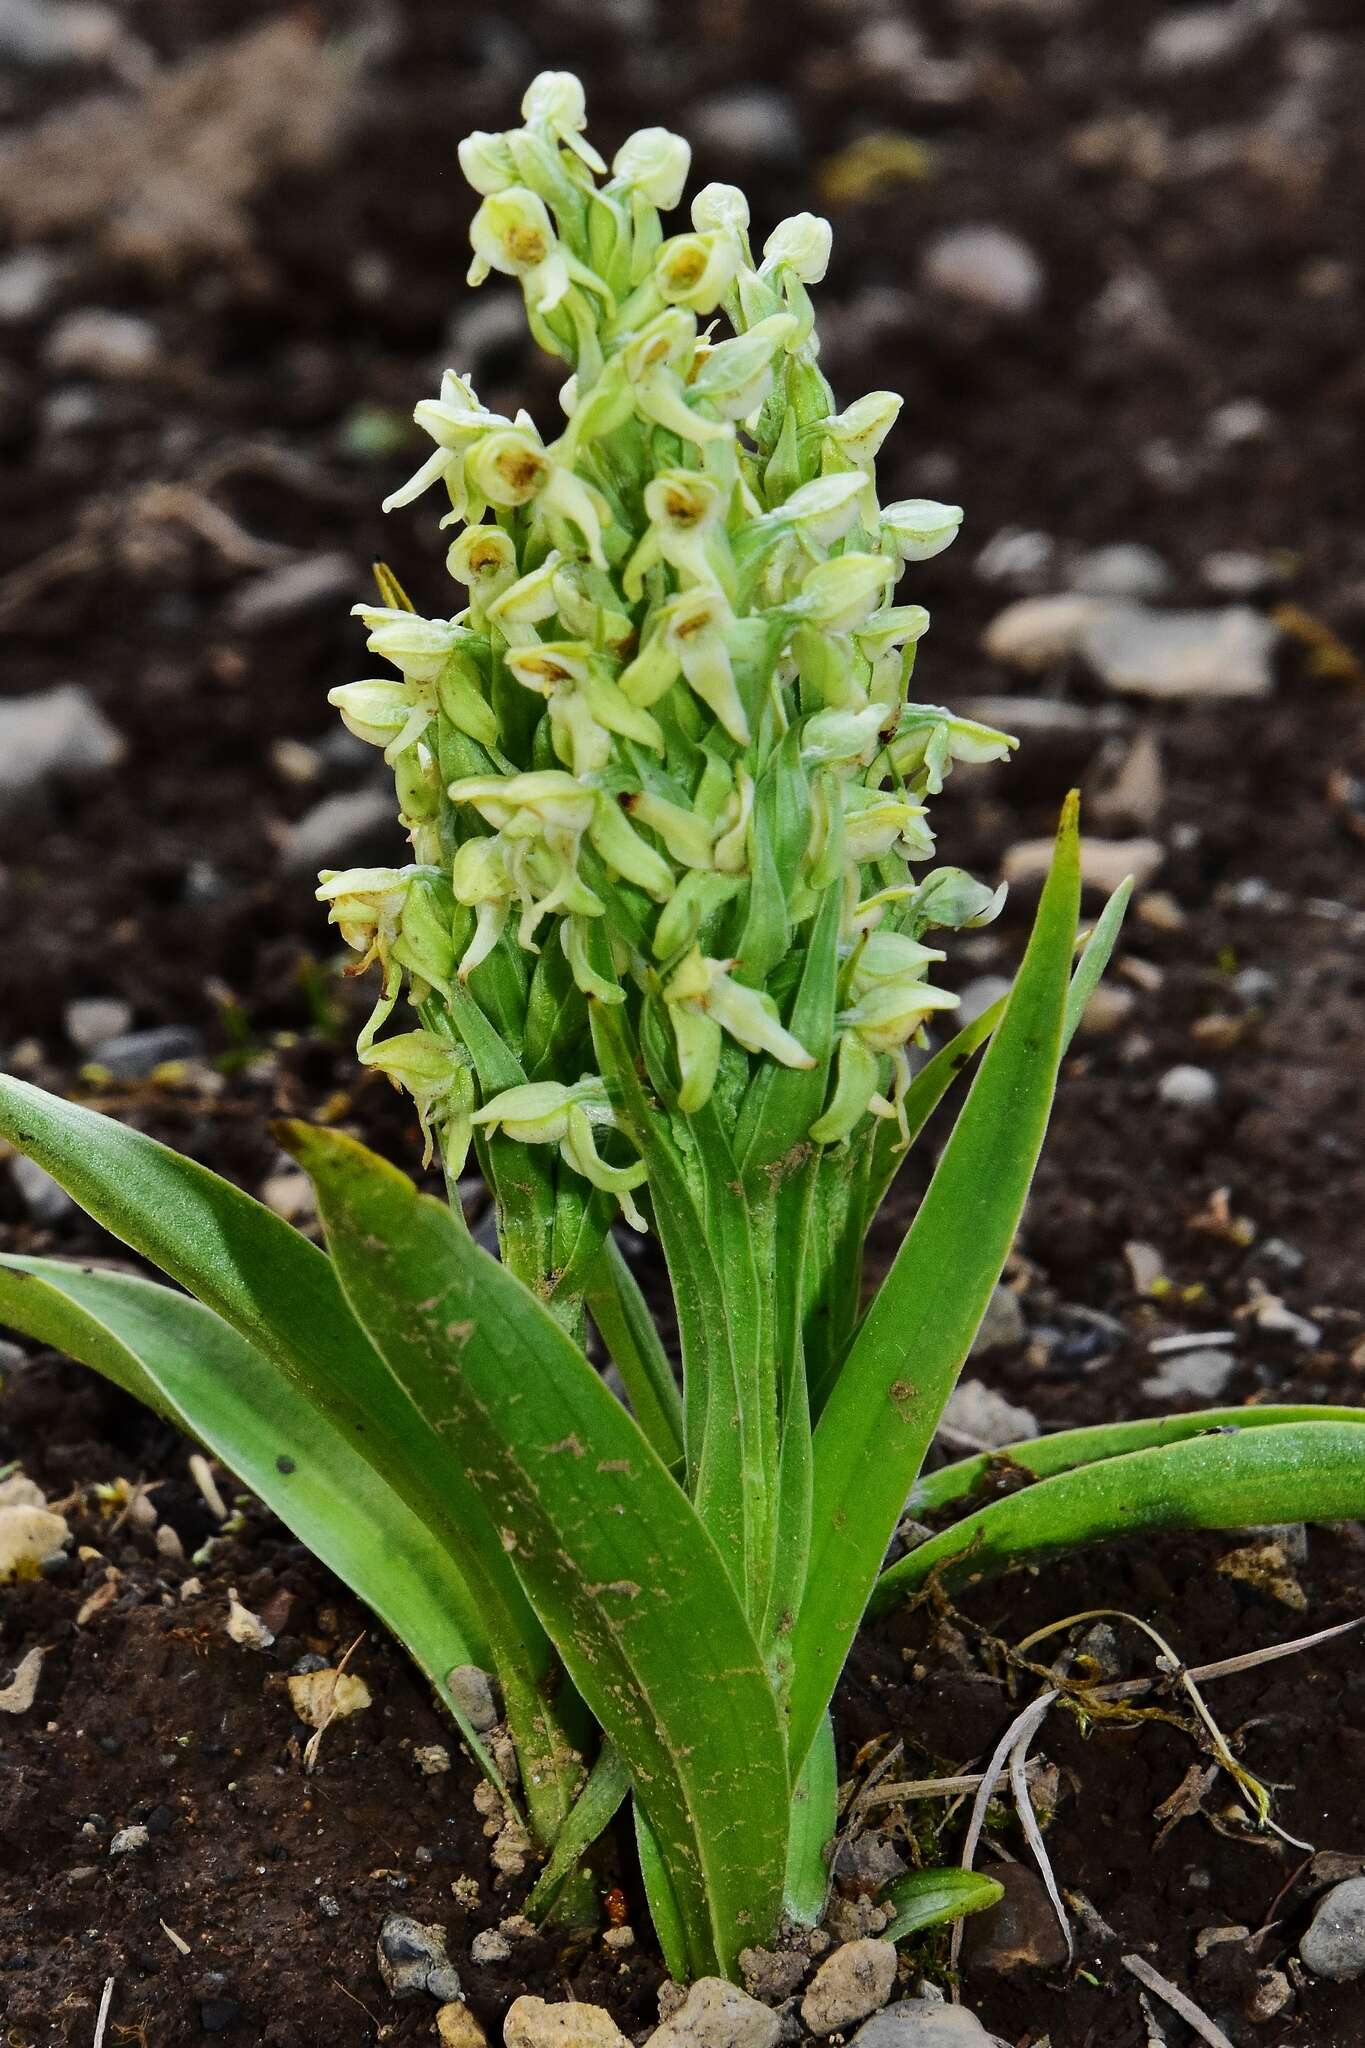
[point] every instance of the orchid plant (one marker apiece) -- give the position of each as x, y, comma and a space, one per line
667, 947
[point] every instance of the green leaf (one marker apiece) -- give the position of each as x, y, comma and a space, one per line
1299, 1472
931, 1898
614, 1301
280, 1294
884, 1407
670, 1930
1043, 1456
813, 1822
1095, 958
185, 1362
594, 1811
608, 1548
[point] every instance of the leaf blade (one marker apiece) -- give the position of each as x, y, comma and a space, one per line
1299, 1472
608, 1548
877, 1422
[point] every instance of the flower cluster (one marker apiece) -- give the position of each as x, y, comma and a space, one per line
670, 716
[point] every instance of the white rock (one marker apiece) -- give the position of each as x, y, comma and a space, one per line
319, 1697
975, 1410
28, 1534
977, 997
1107, 1010
456, 2027
756, 124
1187, 1087
329, 833
1049, 718
1017, 557
28, 281
489, 1947
534, 2023
1334, 1946
89, 1019
853, 1981
987, 267
715, 2014
45, 1199
1104, 862
279, 596
1200, 38
432, 1759
94, 342
922, 2023
246, 1628
1239, 421
1126, 570
1239, 572
1002, 1326
129, 1840
61, 730
1181, 654
1038, 631
1192, 1375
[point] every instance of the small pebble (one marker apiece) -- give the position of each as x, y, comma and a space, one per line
93, 342
45, 1200
472, 1692
1037, 632
1187, 1087
90, 1019
987, 267
432, 1759
1017, 557
136, 1055
412, 1959
536, 2023
922, 2023
852, 1982
715, 2014
977, 1412
1125, 570
456, 2027
1334, 1945
1021, 1931
280, 596
1104, 862
489, 1947
128, 1840
1192, 654
1191, 1375
54, 732
29, 280
748, 124
337, 829
1002, 1326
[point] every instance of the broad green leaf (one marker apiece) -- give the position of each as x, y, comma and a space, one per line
931, 1898
884, 1407
185, 1362
607, 1546
1299, 1472
614, 1301
280, 1294
813, 1822
594, 1811
1042, 1456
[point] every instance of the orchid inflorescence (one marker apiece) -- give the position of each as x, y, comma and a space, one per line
672, 714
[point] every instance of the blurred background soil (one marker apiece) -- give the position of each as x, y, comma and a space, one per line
1112, 257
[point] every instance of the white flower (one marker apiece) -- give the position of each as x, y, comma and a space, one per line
655, 162
916, 529
801, 244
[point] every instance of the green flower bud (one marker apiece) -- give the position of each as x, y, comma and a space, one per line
375, 712
916, 529
858, 431
487, 162
928, 739
549, 1113
842, 594
655, 163
703, 988
722, 208
554, 100
879, 821
437, 1077
419, 647
687, 837
801, 244
734, 377
857, 1078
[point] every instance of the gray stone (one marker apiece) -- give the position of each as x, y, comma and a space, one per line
536, 2023
715, 2014
1050, 718
852, 1982
1187, 1087
333, 831
1181, 654
772, 1974
45, 32
1036, 632
281, 595
129, 1840
1239, 572
1125, 570
94, 342
976, 1412
1200, 38
1002, 1326
754, 124
412, 1959
977, 997
41, 1195
55, 731
1239, 421
472, 1692
493, 324
489, 1947
89, 1019
29, 280
922, 2023
1191, 1375
1104, 862
987, 267
1017, 557
1334, 1946
135, 1055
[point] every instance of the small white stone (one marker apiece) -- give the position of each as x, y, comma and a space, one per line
94, 342
975, 1411
535, 2023
715, 2014
55, 731
1125, 570
128, 1840
1334, 1946
1104, 862
987, 267
1213, 654
489, 1947
1037, 632
432, 1759
1191, 1375
91, 1019
855, 1980
1188, 1087
28, 280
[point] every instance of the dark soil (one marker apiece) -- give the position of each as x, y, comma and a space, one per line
282, 375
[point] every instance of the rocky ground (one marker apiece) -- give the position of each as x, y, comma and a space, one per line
1112, 258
